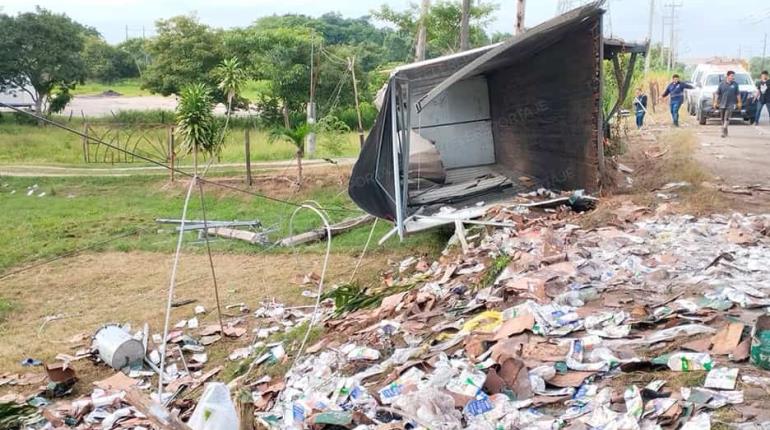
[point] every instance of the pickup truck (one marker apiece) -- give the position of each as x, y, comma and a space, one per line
704, 94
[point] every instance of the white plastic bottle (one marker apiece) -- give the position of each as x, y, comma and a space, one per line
215, 410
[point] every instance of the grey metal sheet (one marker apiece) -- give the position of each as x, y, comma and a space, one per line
463, 145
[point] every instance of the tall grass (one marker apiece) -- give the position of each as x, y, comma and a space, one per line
30, 144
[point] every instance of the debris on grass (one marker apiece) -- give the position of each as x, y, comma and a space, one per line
535, 323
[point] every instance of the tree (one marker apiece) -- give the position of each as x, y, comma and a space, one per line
231, 79
196, 126
465, 16
40, 53
296, 136
442, 25
107, 63
184, 52
136, 48
280, 56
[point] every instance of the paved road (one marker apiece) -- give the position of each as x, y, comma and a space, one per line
743, 158
99, 105
40, 170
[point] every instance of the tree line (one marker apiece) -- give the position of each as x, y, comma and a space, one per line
291, 56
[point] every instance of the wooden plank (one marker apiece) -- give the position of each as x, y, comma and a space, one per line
155, 412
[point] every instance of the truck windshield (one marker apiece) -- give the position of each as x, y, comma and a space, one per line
740, 78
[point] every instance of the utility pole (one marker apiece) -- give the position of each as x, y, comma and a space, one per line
649, 38
764, 53
671, 57
352, 65
126, 31
422, 32
465, 24
521, 9
310, 142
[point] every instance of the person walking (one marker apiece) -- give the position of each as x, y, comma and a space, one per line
727, 99
676, 90
640, 107
763, 96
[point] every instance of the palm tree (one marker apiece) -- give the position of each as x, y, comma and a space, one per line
296, 136
196, 125
231, 78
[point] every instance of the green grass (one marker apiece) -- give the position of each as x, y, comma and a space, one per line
133, 88
30, 144
126, 87
78, 212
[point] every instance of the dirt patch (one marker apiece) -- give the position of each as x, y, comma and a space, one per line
280, 184
90, 290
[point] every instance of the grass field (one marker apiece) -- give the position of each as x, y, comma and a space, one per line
30, 144
77, 212
133, 88
125, 279
126, 87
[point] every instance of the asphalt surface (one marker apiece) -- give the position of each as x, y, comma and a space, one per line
742, 158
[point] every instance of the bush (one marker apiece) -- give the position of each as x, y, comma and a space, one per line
350, 118
331, 134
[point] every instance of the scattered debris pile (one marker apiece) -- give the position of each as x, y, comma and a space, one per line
650, 323
641, 326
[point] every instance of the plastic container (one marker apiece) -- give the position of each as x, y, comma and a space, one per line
118, 348
689, 361
215, 410
760, 343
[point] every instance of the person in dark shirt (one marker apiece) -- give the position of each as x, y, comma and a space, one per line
676, 90
763, 95
727, 99
640, 107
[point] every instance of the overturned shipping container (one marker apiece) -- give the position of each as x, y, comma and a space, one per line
522, 113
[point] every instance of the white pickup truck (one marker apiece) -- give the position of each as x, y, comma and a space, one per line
702, 96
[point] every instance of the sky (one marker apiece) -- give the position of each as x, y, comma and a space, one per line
704, 27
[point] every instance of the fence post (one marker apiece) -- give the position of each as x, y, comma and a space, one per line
85, 142
171, 151
247, 148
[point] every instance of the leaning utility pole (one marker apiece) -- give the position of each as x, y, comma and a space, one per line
521, 9
649, 39
422, 32
352, 65
310, 141
465, 31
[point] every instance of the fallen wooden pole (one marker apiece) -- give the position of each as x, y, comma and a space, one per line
231, 233
320, 233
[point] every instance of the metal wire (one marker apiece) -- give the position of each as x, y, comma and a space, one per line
158, 163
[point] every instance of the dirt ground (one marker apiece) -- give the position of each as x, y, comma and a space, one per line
87, 291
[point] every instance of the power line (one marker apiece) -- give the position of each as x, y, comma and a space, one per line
73, 252
673, 20
158, 163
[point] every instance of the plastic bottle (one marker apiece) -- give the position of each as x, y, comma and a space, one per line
215, 410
